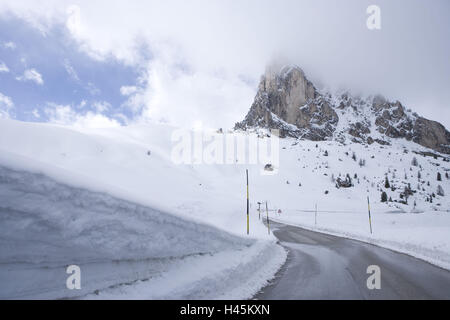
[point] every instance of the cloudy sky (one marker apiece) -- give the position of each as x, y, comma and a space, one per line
107, 63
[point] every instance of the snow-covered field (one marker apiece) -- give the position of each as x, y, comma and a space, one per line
136, 224
140, 226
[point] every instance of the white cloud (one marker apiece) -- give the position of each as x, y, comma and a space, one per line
128, 90
6, 104
73, 22
9, 45
6, 101
122, 117
3, 67
60, 114
4, 114
101, 106
182, 98
70, 70
65, 115
93, 90
92, 120
31, 75
218, 42
82, 104
36, 113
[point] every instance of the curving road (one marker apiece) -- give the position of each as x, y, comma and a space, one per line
321, 266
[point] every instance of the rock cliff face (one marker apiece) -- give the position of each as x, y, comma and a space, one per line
288, 101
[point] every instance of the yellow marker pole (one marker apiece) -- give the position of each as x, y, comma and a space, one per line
268, 225
248, 221
370, 220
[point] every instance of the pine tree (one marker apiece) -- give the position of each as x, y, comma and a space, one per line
348, 179
383, 197
406, 193
386, 183
440, 191
362, 162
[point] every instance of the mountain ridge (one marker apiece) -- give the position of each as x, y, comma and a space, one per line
287, 100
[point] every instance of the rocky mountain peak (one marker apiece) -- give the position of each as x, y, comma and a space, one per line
288, 101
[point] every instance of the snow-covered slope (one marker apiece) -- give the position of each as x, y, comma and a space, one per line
102, 194
102, 202
307, 177
116, 161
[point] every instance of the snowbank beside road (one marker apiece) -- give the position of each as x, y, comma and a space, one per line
422, 235
225, 275
47, 225
100, 200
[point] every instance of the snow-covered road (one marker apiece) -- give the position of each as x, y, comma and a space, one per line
321, 266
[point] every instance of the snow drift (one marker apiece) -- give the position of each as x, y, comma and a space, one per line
46, 226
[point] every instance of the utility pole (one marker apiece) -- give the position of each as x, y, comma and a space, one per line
259, 210
315, 217
370, 220
248, 220
268, 225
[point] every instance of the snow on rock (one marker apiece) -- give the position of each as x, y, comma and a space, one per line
285, 93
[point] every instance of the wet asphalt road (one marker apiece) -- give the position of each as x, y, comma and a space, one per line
321, 266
